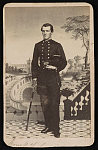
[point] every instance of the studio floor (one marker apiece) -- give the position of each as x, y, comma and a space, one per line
68, 128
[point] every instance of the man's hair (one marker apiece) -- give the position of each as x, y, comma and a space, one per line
46, 25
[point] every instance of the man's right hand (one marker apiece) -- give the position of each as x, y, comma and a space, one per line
35, 79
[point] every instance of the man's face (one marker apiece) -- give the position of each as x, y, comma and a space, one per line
46, 32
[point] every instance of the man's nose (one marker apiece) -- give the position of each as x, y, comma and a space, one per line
45, 32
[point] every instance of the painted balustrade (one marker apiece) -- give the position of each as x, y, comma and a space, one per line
16, 98
79, 107
18, 102
8, 79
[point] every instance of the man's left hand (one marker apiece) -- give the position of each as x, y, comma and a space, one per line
51, 67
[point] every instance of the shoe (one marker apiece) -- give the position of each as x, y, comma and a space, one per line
45, 130
57, 135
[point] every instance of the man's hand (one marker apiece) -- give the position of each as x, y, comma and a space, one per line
35, 79
51, 67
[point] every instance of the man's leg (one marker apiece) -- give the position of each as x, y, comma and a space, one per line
45, 108
54, 98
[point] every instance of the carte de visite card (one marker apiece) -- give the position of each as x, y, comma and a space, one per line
48, 74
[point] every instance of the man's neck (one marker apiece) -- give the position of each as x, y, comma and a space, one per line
47, 39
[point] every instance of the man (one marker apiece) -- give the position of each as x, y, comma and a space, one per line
48, 60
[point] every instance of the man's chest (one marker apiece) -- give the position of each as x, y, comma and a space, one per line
47, 50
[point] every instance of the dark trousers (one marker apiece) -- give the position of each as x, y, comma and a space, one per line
50, 106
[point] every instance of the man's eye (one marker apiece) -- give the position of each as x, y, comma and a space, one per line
45, 30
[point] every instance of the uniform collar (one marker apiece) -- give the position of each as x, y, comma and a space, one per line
47, 40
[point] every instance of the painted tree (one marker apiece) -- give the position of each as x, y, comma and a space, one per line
77, 61
71, 62
79, 27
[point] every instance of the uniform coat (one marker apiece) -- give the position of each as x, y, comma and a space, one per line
48, 80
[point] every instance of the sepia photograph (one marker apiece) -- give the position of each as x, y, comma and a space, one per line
48, 74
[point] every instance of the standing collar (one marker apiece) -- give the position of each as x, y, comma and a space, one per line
47, 40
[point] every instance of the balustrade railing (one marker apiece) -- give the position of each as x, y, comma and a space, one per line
15, 100
80, 107
9, 79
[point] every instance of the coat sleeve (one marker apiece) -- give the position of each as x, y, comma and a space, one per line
62, 61
34, 63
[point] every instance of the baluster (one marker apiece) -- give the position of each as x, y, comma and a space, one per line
75, 108
78, 106
86, 97
81, 102
73, 112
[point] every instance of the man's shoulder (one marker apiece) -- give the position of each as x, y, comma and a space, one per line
51, 42
56, 43
39, 43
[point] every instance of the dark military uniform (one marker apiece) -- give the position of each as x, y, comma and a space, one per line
48, 80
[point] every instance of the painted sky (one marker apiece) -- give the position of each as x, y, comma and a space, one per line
22, 28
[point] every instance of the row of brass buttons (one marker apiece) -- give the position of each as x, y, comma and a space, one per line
48, 49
